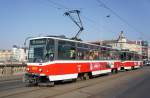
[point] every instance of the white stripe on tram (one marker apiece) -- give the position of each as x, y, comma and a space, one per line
63, 77
101, 72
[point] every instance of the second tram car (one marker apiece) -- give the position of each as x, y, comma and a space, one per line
53, 59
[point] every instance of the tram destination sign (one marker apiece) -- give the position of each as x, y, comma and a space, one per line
38, 41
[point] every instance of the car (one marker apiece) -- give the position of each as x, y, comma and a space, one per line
147, 63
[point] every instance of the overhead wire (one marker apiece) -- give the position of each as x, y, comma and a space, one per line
96, 24
102, 4
63, 7
59, 6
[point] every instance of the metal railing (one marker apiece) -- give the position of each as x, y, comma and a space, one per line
9, 70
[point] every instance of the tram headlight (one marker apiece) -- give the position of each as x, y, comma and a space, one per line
40, 70
27, 69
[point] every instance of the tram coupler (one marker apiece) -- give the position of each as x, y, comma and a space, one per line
31, 79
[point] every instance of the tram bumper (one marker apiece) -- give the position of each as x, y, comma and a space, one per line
31, 78
35, 79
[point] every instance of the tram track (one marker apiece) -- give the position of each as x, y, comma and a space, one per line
10, 85
90, 84
70, 87
19, 93
9, 80
11, 88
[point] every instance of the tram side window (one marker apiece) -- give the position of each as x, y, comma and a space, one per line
82, 51
105, 54
129, 56
66, 50
114, 55
82, 54
137, 57
87, 52
50, 49
95, 55
123, 56
94, 52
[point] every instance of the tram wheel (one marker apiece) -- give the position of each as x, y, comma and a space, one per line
132, 67
83, 76
74, 80
114, 71
86, 76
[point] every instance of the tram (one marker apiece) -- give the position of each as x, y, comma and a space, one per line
52, 59
130, 59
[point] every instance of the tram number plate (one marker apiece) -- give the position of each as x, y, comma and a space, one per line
34, 68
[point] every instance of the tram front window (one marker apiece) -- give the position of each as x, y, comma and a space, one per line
41, 50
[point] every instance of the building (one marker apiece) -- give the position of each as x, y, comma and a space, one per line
5, 55
144, 45
140, 46
18, 54
148, 53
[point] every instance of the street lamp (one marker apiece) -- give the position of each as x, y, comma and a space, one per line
25, 47
26, 40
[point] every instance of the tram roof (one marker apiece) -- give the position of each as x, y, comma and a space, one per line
67, 39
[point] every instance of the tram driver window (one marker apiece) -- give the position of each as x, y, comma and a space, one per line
49, 55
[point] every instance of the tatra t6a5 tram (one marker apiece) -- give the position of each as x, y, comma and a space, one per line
52, 59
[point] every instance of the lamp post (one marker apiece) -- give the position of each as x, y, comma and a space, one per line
26, 40
25, 47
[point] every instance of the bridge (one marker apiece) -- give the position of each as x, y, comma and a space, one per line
8, 71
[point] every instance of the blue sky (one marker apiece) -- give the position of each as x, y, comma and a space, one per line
20, 19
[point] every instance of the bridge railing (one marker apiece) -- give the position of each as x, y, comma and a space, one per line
10, 70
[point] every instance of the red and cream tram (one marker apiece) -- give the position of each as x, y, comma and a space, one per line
53, 59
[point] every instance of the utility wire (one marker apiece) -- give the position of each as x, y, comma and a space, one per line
102, 4
58, 5
91, 20
63, 7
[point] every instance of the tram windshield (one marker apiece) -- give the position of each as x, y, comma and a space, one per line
41, 50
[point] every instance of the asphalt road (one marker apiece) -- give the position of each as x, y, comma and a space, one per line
10, 85
129, 84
